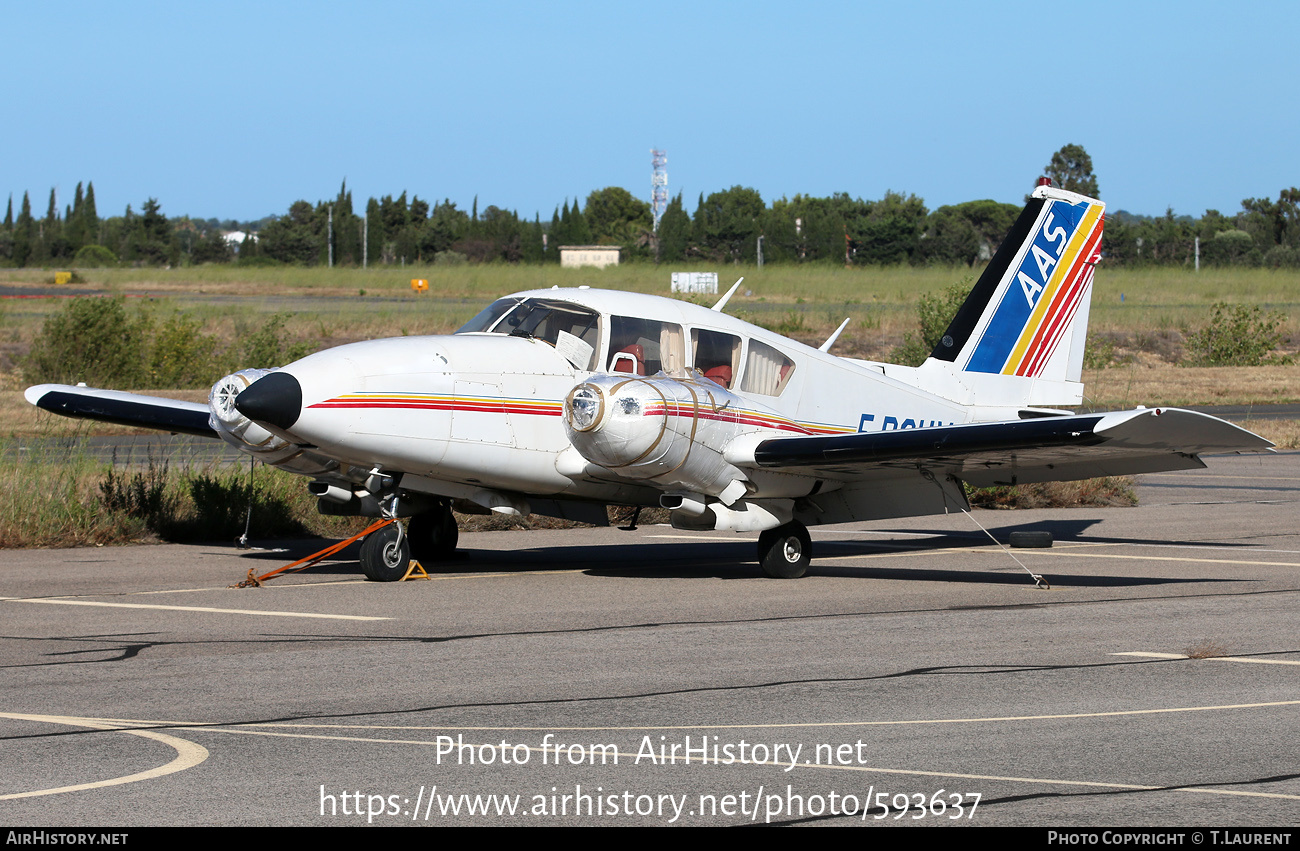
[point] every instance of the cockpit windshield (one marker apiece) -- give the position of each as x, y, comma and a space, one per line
556, 322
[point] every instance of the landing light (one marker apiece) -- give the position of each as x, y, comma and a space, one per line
585, 407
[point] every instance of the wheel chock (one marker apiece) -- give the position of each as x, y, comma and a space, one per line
415, 571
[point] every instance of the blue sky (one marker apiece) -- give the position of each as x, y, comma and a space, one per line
235, 110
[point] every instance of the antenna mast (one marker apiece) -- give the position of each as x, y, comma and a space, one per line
658, 185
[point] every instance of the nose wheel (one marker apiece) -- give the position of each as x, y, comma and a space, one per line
386, 554
785, 552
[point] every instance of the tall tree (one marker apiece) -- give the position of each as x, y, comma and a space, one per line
23, 233
729, 223
374, 236
1071, 169
91, 216
579, 229
1282, 215
674, 232
890, 232
616, 216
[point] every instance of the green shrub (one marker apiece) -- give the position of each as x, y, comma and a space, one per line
1230, 248
205, 505
141, 495
263, 347
1098, 352
935, 312
182, 355
92, 340
1282, 257
1238, 335
94, 257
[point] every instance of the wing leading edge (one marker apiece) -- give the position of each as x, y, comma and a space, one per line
1020, 451
129, 409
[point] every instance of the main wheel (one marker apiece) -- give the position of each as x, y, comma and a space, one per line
386, 554
785, 552
433, 535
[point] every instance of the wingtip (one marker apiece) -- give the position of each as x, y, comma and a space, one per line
34, 393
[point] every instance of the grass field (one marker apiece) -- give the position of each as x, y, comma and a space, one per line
1143, 309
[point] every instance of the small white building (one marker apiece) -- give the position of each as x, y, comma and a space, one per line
599, 256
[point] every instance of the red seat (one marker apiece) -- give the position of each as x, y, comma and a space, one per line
630, 359
720, 375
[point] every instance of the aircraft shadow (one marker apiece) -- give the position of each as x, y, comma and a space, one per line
1063, 531
713, 559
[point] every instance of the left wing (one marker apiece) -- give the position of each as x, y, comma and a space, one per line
1064, 448
129, 409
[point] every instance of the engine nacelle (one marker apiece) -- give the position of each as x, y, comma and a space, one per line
666, 429
241, 432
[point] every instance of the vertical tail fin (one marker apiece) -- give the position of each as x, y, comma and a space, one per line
1027, 316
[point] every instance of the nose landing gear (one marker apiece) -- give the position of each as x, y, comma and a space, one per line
386, 554
431, 537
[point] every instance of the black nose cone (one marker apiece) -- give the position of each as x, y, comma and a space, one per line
275, 399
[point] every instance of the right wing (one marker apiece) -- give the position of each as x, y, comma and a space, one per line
1065, 448
129, 409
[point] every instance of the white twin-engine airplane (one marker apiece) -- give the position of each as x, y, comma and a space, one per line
561, 401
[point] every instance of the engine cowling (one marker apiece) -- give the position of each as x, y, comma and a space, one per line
667, 429
239, 431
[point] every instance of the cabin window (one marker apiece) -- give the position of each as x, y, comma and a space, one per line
542, 319
644, 346
767, 371
717, 356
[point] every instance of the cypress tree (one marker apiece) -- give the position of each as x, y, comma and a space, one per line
674, 232
92, 218
23, 233
375, 240
579, 229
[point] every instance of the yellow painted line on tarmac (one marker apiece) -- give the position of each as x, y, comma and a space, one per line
1221, 476
1142, 654
1065, 550
1072, 553
55, 601
705, 535
188, 755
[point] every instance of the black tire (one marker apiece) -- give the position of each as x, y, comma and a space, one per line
383, 557
1030, 539
433, 536
785, 552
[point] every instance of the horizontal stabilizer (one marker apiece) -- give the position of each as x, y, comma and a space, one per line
128, 409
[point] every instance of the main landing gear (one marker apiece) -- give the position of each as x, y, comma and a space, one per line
785, 552
433, 535
430, 538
